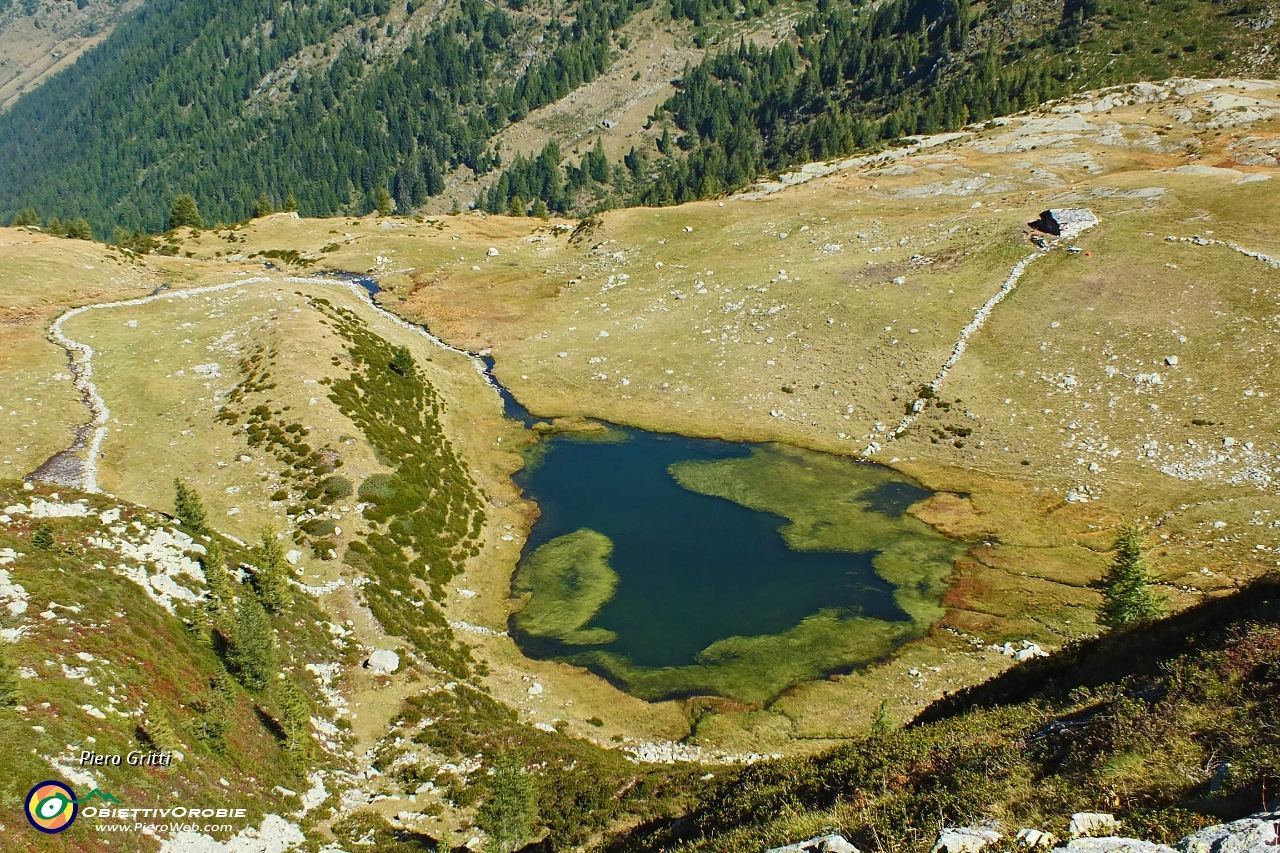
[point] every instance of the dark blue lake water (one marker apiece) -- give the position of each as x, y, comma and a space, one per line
692, 569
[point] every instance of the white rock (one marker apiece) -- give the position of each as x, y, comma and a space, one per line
1092, 823
822, 844
293, 556
384, 660
965, 839
275, 836
1171, 360
493, 253
1113, 844
1260, 832
535, 689
1034, 839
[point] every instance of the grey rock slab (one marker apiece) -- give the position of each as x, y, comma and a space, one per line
1092, 823
1113, 845
965, 839
822, 844
1258, 833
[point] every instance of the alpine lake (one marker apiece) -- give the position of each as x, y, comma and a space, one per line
675, 567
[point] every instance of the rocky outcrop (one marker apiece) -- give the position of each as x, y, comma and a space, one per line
1260, 832
1113, 845
1066, 222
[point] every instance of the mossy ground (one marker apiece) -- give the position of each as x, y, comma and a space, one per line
567, 581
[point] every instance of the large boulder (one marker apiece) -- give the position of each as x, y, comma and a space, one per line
1260, 832
965, 839
822, 844
384, 660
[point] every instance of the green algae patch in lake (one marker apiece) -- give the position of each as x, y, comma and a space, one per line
739, 571
838, 504
573, 580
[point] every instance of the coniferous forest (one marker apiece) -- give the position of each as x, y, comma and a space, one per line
336, 105
179, 100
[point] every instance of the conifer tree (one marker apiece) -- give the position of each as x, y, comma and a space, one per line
1129, 599
216, 577
185, 213
516, 208
272, 580
402, 362
8, 681
26, 216
42, 538
262, 206
251, 650
54, 228
386, 204
540, 209
79, 230
159, 728
290, 204
295, 714
188, 508
509, 815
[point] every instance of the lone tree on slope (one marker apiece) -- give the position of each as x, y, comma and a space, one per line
272, 579
1129, 599
185, 213
187, 506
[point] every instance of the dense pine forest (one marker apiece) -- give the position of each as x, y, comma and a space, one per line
346, 106
179, 100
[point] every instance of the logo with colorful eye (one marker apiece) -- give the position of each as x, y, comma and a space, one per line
51, 807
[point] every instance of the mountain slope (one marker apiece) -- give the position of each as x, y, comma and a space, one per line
1158, 725
39, 39
335, 103
328, 101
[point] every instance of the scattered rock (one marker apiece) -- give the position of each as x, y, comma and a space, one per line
965, 839
822, 844
275, 836
493, 253
293, 555
1092, 823
383, 660
1034, 839
1260, 832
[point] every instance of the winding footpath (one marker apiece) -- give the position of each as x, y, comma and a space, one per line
81, 354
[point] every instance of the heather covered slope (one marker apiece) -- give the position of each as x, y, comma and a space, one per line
1165, 726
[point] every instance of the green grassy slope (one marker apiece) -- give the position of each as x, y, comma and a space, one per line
1161, 726
92, 638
